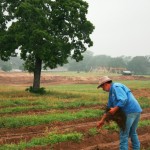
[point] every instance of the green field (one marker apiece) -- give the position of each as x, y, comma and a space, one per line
61, 103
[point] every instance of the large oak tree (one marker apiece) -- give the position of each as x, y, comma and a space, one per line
47, 32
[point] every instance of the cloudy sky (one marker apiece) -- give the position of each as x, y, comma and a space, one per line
122, 27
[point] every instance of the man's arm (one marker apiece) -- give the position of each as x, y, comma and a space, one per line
112, 111
101, 122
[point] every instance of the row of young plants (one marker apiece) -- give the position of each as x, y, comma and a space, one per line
55, 100
48, 106
51, 100
43, 141
33, 120
144, 102
45, 105
53, 138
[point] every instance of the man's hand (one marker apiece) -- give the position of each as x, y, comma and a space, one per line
113, 110
100, 124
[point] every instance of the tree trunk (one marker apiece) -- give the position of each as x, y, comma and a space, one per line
37, 74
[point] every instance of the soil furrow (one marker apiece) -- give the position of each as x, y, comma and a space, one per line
114, 145
7, 136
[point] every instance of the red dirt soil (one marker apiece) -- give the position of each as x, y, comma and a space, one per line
20, 78
103, 141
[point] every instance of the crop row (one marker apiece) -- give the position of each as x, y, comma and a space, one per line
32, 120
45, 105
53, 138
55, 100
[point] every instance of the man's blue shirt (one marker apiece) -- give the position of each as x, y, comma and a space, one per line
121, 96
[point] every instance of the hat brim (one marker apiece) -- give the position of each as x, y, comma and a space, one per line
100, 85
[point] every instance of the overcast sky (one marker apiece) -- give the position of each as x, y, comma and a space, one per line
122, 27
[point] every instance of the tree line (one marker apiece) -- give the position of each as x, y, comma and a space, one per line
139, 65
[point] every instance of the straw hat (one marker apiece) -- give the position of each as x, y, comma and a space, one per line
103, 80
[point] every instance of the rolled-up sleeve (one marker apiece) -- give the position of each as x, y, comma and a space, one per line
121, 96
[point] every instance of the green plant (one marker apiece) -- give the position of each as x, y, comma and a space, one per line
112, 126
92, 131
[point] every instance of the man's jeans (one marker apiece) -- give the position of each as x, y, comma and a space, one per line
130, 131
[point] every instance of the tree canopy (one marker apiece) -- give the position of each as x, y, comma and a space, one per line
45, 31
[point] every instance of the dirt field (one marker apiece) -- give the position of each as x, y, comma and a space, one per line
48, 79
102, 141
